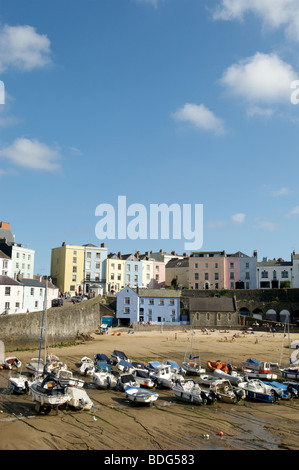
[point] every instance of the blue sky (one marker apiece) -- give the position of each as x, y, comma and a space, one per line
162, 101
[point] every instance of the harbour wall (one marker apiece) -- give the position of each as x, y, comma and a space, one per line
64, 324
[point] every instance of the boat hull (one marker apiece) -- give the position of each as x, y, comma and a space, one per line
139, 395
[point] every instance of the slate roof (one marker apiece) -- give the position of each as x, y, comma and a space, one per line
8, 281
178, 263
161, 293
212, 304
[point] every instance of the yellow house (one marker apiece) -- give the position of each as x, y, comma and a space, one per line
115, 273
67, 268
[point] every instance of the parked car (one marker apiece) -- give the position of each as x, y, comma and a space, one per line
57, 302
76, 299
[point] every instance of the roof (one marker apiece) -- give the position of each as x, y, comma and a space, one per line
178, 263
273, 263
37, 283
161, 293
212, 304
3, 255
8, 281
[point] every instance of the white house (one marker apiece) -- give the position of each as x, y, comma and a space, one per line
274, 273
11, 296
34, 294
5, 264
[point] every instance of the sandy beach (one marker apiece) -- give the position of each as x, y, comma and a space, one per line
115, 424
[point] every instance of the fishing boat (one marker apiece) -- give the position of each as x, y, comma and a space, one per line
125, 366
104, 377
87, 366
77, 398
48, 392
11, 363
101, 358
162, 375
285, 392
191, 392
257, 390
258, 370
139, 395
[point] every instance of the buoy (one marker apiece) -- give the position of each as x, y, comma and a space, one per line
220, 433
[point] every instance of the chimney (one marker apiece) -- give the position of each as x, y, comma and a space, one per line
103, 245
5, 225
119, 255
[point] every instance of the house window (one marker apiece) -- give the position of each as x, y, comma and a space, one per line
127, 309
98, 265
112, 277
216, 265
196, 265
216, 276
231, 265
206, 276
265, 274
98, 255
150, 315
171, 301
32, 291
173, 315
136, 268
72, 288
88, 255
7, 305
142, 301
218, 316
232, 275
161, 302
7, 290
284, 274
127, 300
247, 275
196, 285
74, 278
88, 277
151, 301
74, 260
17, 305
74, 269
196, 276
36, 304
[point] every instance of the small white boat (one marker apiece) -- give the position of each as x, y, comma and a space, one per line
48, 392
162, 375
262, 375
290, 373
78, 399
125, 366
193, 368
126, 380
191, 392
143, 378
175, 367
87, 366
19, 384
12, 363
104, 377
258, 390
35, 366
139, 395
117, 356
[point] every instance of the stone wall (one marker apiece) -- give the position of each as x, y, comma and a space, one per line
23, 331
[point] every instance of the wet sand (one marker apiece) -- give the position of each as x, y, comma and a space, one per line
115, 424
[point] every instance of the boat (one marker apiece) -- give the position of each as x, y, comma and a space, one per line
162, 375
258, 390
290, 373
293, 388
125, 366
224, 390
126, 380
78, 399
48, 392
35, 366
101, 358
19, 384
143, 378
285, 392
139, 395
87, 366
191, 366
117, 356
66, 377
175, 367
104, 377
11, 363
191, 392
258, 370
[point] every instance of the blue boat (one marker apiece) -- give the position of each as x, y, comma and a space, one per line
259, 390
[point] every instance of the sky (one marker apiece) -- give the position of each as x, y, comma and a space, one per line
185, 102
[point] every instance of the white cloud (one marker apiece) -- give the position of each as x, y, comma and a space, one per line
294, 211
31, 154
281, 192
270, 226
262, 78
201, 117
238, 218
273, 13
21, 47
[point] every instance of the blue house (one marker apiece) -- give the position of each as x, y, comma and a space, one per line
153, 306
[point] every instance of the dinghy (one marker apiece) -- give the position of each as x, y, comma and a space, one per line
78, 399
139, 395
12, 363
87, 366
104, 377
126, 380
35, 366
143, 378
19, 384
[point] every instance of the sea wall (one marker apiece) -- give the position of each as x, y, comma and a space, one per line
64, 324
